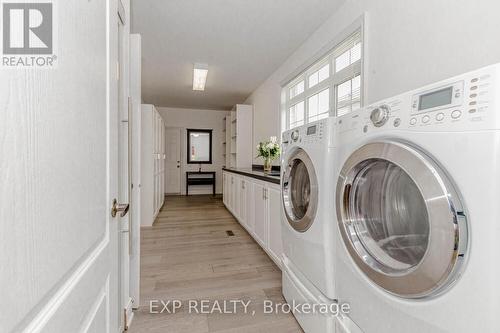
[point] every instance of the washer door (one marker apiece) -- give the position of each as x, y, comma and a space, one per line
300, 190
401, 219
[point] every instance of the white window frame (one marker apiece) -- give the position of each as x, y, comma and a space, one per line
327, 54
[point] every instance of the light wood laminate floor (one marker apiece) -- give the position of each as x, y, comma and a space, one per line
187, 255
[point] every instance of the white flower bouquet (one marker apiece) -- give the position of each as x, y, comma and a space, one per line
269, 151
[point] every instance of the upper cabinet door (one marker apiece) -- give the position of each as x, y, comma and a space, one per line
274, 222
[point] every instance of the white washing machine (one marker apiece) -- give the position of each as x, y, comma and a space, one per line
308, 220
417, 208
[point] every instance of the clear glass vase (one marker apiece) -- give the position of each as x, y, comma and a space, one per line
267, 164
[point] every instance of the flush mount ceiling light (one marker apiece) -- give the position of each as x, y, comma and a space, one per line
200, 72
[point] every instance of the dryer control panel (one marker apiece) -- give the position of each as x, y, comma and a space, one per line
462, 103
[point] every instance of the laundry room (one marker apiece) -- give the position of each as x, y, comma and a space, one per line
249, 166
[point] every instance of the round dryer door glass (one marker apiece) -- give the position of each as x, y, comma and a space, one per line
391, 216
299, 190
401, 219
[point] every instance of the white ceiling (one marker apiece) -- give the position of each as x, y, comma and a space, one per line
242, 41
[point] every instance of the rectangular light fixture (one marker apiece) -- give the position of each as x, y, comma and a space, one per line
200, 72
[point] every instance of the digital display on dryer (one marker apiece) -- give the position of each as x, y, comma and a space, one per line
435, 98
311, 130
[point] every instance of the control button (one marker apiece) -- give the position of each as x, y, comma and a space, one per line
380, 115
474, 80
397, 122
473, 88
425, 119
473, 103
472, 111
413, 121
440, 116
295, 135
456, 114
457, 95
414, 105
473, 95
365, 128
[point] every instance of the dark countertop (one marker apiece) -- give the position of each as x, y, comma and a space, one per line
253, 173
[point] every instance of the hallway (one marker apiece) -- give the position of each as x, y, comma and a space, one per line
188, 255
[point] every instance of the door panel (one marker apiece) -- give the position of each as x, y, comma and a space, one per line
249, 205
236, 195
173, 160
56, 234
274, 222
260, 217
243, 200
224, 188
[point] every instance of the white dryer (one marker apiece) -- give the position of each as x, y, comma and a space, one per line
308, 220
417, 196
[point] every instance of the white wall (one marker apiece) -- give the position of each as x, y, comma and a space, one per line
407, 44
198, 119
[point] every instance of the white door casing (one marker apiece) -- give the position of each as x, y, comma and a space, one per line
135, 209
125, 167
58, 170
173, 160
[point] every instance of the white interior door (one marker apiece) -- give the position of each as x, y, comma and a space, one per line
58, 170
173, 160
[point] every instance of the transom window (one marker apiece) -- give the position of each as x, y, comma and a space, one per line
331, 86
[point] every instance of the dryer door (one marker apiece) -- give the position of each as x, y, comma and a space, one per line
401, 219
299, 190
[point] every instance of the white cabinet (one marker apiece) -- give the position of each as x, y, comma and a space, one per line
152, 163
238, 143
273, 198
244, 201
224, 188
260, 217
249, 204
256, 205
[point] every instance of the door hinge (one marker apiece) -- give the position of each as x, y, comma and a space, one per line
125, 324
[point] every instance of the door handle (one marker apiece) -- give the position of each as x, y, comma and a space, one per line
122, 208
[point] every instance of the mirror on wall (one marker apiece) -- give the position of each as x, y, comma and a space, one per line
199, 146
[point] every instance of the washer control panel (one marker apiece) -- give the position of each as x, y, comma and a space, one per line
309, 134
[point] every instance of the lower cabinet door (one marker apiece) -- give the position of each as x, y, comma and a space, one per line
243, 200
274, 221
260, 214
224, 188
249, 205
230, 181
236, 195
